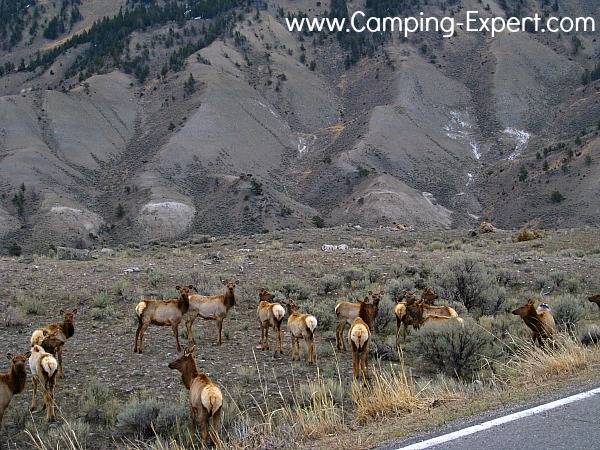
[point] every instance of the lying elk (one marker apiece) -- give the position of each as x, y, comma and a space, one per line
346, 312
61, 333
211, 307
540, 321
206, 399
269, 315
13, 381
163, 313
301, 326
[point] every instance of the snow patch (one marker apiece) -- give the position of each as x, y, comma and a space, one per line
461, 130
522, 137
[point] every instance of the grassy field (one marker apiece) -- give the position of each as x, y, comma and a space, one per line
112, 397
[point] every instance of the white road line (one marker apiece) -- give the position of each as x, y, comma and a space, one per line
500, 421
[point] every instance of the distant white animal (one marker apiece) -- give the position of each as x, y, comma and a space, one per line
332, 248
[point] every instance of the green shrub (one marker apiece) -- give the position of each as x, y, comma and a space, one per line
353, 274
138, 418
465, 280
385, 315
374, 273
291, 286
101, 300
395, 289
156, 277
567, 311
457, 349
330, 282
30, 303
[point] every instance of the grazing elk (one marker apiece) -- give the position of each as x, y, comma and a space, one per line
359, 338
301, 326
43, 368
211, 307
540, 322
13, 381
161, 312
269, 315
346, 312
206, 399
595, 299
62, 332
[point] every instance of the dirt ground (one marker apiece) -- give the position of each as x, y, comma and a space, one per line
102, 347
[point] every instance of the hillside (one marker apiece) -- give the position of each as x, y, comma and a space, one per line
218, 120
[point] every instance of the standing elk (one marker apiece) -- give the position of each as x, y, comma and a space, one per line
43, 368
211, 307
163, 313
13, 381
540, 321
62, 332
206, 399
402, 316
346, 312
359, 338
269, 315
301, 326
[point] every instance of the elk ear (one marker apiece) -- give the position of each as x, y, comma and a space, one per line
223, 281
62, 312
75, 311
9, 355
237, 282
178, 287
370, 292
28, 354
367, 299
382, 292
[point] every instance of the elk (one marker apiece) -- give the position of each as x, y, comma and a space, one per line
595, 299
540, 322
346, 312
420, 313
62, 332
301, 326
206, 399
13, 381
402, 316
269, 315
161, 312
43, 368
211, 307
359, 338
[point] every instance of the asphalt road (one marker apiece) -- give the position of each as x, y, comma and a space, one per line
571, 426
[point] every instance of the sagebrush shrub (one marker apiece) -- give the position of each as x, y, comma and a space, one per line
385, 315
395, 289
291, 286
567, 311
353, 274
330, 282
458, 349
138, 417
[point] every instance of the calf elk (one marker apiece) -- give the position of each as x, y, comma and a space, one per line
61, 333
161, 312
13, 381
301, 326
346, 312
211, 307
206, 399
540, 322
269, 315
43, 368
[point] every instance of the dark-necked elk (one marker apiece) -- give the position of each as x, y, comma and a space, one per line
269, 315
163, 313
540, 321
346, 312
421, 313
402, 316
301, 326
595, 299
13, 381
206, 399
43, 368
359, 339
211, 307
61, 332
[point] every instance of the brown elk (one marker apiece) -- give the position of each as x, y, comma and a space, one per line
301, 326
162, 313
346, 312
43, 368
13, 381
206, 399
540, 322
211, 307
595, 299
62, 332
269, 315
402, 316
420, 313
359, 338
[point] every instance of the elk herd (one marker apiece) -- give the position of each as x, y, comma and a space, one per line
205, 398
